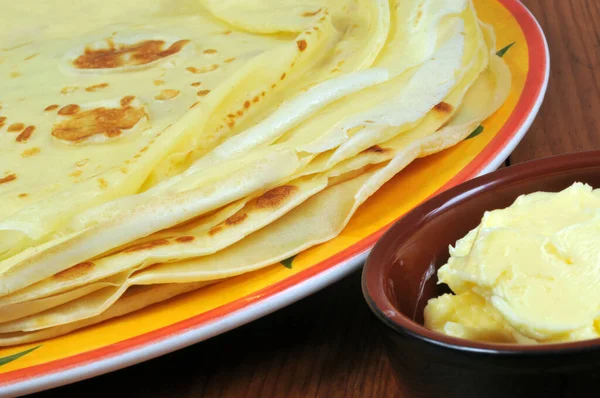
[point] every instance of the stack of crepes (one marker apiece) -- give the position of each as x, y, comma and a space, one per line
148, 148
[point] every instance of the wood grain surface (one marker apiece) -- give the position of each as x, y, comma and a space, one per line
327, 345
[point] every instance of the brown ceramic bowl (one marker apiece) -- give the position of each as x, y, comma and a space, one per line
400, 277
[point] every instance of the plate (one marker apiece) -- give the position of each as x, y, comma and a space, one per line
199, 315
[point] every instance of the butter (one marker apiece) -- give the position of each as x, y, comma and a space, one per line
529, 273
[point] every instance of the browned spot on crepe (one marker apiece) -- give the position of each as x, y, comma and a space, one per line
443, 107
215, 230
377, 149
167, 94
96, 87
8, 178
118, 55
50, 108
148, 245
82, 162
202, 69
302, 45
75, 271
68, 90
311, 14
69, 110
30, 152
16, 127
107, 121
185, 239
237, 218
275, 197
128, 99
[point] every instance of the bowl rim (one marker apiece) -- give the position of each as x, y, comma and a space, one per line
373, 275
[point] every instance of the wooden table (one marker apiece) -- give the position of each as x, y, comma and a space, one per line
327, 345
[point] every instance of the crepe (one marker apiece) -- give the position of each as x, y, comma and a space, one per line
368, 87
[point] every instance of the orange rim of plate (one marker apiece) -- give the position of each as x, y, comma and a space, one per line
534, 83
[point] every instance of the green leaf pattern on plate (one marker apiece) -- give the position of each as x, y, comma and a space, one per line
503, 51
475, 132
287, 263
10, 358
